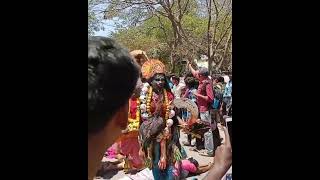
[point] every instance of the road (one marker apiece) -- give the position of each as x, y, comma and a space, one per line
203, 160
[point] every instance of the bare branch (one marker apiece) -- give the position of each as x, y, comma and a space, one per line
224, 34
172, 4
186, 7
161, 26
162, 13
222, 5
225, 51
147, 18
207, 5
158, 11
180, 10
216, 8
164, 6
225, 18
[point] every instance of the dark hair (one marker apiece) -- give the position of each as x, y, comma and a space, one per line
112, 76
175, 78
196, 83
190, 82
193, 161
170, 75
189, 74
143, 80
220, 79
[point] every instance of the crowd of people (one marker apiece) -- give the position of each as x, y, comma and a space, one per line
212, 95
132, 118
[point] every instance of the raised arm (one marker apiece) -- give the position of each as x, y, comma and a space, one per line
194, 72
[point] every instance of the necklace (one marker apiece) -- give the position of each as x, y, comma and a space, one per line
145, 107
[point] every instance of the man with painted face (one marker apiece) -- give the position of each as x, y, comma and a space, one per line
158, 82
159, 133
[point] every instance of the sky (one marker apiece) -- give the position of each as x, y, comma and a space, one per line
108, 28
109, 25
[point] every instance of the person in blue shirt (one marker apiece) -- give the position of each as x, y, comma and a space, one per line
227, 95
170, 81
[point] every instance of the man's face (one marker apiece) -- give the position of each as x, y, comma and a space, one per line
158, 81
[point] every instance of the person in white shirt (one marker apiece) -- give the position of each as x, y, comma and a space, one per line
178, 86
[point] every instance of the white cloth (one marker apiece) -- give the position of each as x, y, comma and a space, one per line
144, 174
226, 79
176, 90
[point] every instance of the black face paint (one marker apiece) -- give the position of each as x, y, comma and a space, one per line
158, 82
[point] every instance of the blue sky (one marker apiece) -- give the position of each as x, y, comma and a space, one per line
108, 28
109, 25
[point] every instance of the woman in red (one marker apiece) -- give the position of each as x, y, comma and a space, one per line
128, 142
127, 146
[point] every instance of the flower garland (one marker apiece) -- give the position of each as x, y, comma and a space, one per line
146, 97
134, 123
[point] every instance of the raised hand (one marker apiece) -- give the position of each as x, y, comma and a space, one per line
162, 163
223, 156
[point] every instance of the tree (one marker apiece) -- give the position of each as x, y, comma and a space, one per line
94, 22
174, 29
219, 30
135, 12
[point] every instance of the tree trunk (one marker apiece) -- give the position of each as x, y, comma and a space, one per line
209, 37
172, 61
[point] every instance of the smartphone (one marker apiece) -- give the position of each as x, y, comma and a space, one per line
228, 176
184, 62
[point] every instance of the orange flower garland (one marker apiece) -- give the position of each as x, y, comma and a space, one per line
149, 97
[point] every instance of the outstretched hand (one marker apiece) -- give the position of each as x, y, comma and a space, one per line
162, 163
223, 156
189, 62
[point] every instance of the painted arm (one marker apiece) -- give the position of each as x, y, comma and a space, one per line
163, 158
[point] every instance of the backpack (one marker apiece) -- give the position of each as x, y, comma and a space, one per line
218, 96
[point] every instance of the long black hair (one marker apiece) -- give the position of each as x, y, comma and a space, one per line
193, 161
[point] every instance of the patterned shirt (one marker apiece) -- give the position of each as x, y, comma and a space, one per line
228, 90
205, 89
